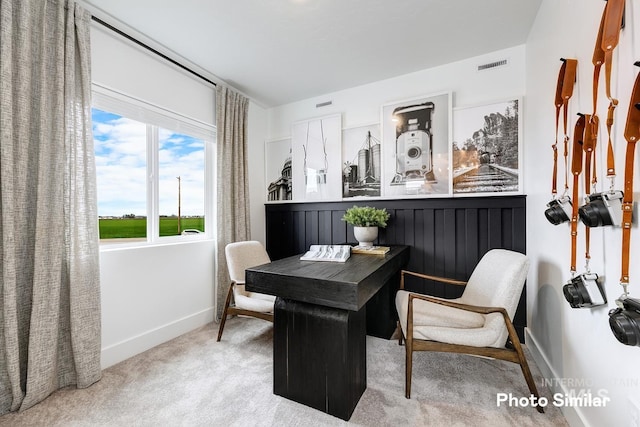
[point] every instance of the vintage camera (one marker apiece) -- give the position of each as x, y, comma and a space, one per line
415, 155
602, 209
584, 291
559, 210
414, 143
625, 321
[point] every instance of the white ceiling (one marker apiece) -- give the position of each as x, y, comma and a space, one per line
280, 51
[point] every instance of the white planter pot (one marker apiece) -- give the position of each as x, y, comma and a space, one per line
365, 235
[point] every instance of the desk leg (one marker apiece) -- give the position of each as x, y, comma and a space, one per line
319, 356
382, 317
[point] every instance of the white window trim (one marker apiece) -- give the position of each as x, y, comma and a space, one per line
154, 116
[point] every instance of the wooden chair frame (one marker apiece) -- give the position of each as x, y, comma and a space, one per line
230, 310
515, 355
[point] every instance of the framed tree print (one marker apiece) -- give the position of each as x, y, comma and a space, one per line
486, 149
315, 159
416, 135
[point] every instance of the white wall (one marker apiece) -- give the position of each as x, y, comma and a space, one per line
153, 294
362, 104
117, 63
577, 344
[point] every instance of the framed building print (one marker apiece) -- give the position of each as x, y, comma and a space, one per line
486, 149
361, 161
315, 159
278, 169
416, 142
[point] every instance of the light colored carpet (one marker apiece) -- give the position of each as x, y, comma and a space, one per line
195, 381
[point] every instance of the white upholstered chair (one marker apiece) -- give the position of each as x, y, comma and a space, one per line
479, 322
240, 256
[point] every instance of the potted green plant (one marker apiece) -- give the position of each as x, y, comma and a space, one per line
365, 221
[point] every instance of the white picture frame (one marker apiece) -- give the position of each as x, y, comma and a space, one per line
487, 149
416, 135
362, 162
316, 157
277, 169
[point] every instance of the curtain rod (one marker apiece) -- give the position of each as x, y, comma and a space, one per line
149, 48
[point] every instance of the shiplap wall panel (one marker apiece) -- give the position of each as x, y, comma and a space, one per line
447, 236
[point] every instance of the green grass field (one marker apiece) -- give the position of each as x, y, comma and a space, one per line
137, 227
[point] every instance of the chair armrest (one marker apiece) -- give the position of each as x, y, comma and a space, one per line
513, 335
426, 276
466, 307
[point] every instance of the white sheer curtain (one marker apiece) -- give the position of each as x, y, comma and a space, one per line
49, 275
232, 177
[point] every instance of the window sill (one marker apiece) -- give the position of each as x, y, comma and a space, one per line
108, 245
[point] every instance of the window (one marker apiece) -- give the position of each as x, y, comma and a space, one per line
153, 171
121, 173
180, 183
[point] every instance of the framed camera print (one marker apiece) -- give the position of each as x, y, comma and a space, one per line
416, 142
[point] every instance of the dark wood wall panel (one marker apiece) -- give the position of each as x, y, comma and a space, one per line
447, 236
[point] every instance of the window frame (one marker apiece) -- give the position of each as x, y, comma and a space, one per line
156, 117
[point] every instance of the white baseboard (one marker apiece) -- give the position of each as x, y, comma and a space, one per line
573, 414
135, 345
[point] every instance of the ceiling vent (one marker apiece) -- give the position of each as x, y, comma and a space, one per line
490, 65
324, 104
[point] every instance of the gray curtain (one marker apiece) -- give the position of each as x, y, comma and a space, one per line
49, 277
232, 180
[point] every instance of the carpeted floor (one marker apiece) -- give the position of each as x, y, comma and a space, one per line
195, 381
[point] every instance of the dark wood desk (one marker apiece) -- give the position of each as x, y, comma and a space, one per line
320, 324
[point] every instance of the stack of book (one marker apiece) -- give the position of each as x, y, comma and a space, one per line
334, 253
370, 250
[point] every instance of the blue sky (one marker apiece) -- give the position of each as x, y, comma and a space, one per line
121, 168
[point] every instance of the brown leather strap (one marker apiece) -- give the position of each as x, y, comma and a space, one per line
613, 12
576, 170
597, 60
611, 165
564, 91
606, 42
589, 146
631, 134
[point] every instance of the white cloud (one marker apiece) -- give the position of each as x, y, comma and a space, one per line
121, 151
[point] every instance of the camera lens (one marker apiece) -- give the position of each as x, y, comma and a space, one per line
625, 327
555, 214
576, 295
414, 152
594, 214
